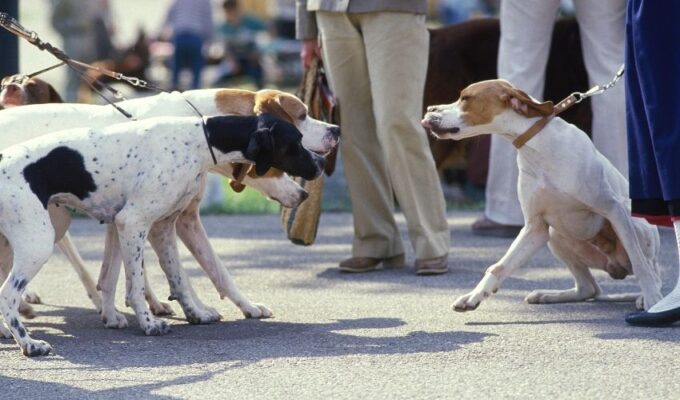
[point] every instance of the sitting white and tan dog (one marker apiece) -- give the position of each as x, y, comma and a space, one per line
32, 121
572, 198
133, 175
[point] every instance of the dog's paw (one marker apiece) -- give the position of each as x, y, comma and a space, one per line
33, 348
469, 301
114, 320
4, 331
206, 315
156, 327
539, 297
31, 297
26, 310
256, 311
161, 309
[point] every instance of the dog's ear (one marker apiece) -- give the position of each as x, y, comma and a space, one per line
260, 150
523, 104
53, 95
270, 102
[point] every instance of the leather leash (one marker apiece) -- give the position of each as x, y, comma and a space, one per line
13, 26
562, 106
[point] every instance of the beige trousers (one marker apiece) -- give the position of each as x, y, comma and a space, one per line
376, 63
522, 57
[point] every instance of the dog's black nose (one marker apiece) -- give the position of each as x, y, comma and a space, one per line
334, 131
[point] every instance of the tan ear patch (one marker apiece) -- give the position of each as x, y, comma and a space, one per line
267, 101
523, 104
235, 101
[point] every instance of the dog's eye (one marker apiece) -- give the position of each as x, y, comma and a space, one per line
464, 98
302, 116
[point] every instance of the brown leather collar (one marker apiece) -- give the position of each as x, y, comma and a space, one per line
541, 123
239, 172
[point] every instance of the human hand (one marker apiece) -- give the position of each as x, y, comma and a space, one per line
310, 49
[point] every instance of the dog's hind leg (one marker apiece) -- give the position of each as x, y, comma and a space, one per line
193, 235
69, 249
132, 232
164, 242
578, 256
32, 243
642, 261
108, 278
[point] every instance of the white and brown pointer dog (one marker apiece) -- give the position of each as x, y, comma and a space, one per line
31, 121
572, 198
133, 175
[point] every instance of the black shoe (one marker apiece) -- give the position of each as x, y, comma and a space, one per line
644, 318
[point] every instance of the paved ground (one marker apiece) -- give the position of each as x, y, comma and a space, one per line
388, 334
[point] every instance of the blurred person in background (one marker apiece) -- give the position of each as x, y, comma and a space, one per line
283, 17
239, 32
76, 22
455, 11
191, 23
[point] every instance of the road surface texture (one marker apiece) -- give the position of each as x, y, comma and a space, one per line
381, 335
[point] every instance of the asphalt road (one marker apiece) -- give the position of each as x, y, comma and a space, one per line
383, 335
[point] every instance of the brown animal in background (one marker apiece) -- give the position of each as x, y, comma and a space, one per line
465, 53
20, 90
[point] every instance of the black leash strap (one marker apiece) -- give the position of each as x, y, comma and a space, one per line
205, 129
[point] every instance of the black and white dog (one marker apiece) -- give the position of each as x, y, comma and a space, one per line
132, 175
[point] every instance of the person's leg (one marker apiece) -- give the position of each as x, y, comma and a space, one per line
653, 76
526, 28
196, 60
397, 53
178, 58
602, 25
376, 234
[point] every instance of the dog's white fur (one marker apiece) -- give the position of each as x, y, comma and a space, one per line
24, 123
572, 199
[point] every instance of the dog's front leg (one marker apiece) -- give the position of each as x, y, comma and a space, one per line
164, 242
132, 233
643, 267
191, 231
531, 238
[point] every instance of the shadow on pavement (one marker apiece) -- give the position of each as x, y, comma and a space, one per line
87, 342
39, 389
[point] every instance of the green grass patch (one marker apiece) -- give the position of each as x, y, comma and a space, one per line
248, 201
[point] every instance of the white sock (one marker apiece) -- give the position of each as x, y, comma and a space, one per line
672, 299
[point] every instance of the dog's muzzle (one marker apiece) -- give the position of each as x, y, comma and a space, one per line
433, 123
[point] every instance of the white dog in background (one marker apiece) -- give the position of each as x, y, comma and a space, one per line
572, 198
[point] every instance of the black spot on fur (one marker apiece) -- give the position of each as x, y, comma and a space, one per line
62, 170
19, 284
